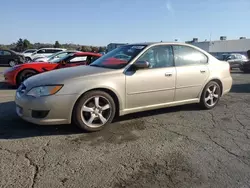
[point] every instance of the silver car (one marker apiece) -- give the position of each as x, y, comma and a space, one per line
131, 78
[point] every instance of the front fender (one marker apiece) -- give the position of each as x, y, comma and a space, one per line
115, 84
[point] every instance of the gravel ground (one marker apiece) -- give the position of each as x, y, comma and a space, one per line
174, 147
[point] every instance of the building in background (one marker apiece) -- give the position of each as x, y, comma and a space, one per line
223, 46
112, 46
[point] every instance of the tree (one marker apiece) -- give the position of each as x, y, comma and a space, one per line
19, 45
94, 49
102, 49
3, 47
57, 45
26, 44
86, 49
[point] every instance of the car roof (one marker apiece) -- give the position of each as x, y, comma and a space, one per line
52, 48
235, 54
87, 53
148, 44
160, 43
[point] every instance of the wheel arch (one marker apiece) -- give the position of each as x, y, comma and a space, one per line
217, 80
112, 93
25, 69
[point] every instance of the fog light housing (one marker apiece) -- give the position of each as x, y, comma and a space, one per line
39, 113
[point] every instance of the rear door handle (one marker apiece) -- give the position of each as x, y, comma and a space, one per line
168, 74
202, 71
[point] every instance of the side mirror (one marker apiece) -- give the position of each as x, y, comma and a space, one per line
141, 64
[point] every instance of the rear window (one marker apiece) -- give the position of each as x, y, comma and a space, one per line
51, 51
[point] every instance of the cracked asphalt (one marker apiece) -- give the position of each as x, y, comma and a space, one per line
174, 147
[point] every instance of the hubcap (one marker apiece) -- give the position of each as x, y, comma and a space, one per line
12, 63
212, 95
96, 111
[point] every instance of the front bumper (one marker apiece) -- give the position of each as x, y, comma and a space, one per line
10, 78
55, 109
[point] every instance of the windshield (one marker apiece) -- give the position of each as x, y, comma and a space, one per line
55, 54
61, 59
119, 57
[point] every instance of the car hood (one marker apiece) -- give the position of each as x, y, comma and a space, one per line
36, 62
60, 75
33, 65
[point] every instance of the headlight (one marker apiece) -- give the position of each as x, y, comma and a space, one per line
44, 90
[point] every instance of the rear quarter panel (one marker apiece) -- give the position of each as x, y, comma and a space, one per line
220, 70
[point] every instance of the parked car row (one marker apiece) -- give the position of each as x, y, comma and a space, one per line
41, 53
236, 61
17, 74
128, 79
11, 58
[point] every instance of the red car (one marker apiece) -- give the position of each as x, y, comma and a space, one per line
17, 74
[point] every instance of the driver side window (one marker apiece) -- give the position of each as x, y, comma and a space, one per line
159, 57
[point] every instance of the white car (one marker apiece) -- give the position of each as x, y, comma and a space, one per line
54, 56
43, 52
28, 52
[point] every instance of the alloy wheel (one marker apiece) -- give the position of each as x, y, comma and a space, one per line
212, 95
96, 111
12, 63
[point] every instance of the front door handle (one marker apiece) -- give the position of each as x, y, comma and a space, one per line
202, 71
168, 74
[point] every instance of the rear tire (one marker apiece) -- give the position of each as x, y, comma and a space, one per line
94, 110
24, 75
12, 63
210, 95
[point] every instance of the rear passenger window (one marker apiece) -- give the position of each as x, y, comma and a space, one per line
49, 51
185, 55
55, 51
6, 53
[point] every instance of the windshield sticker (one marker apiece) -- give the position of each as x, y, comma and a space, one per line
138, 47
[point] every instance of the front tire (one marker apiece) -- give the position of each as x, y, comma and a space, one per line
24, 75
210, 95
94, 110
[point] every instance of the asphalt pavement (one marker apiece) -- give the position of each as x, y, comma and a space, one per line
173, 147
